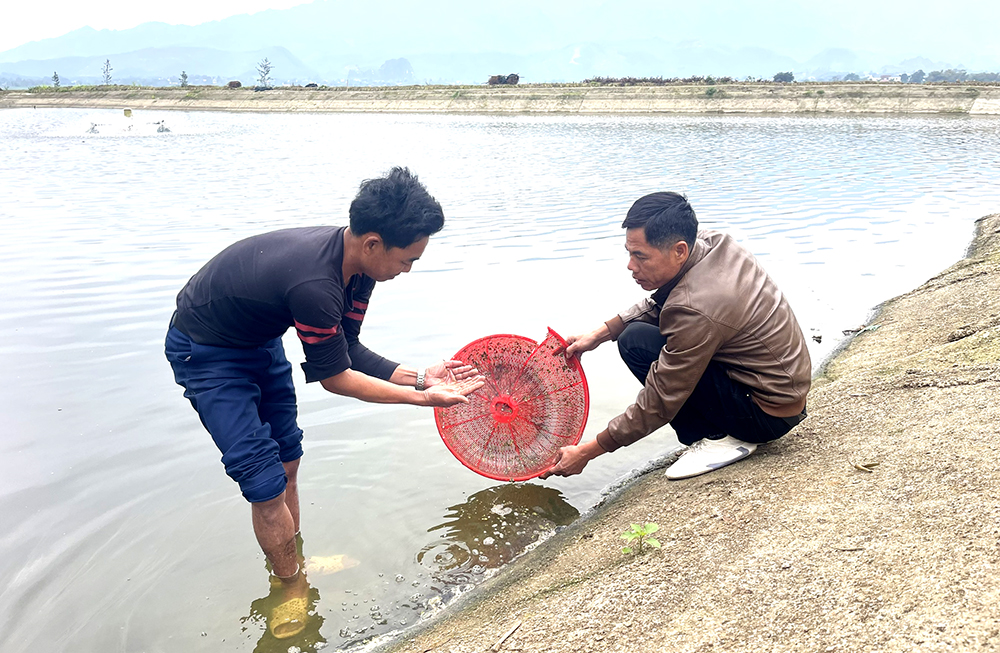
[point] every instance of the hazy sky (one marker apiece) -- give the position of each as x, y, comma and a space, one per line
954, 30
31, 20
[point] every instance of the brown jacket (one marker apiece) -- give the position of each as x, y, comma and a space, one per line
722, 306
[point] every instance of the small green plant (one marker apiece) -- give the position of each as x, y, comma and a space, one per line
639, 536
710, 92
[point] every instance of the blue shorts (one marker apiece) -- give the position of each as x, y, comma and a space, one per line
246, 400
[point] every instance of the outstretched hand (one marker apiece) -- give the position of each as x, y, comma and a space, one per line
449, 372
453, 392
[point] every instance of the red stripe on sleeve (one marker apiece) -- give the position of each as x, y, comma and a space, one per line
303, 327
312, 340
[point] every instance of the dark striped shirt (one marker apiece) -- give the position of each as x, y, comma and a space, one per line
257, 288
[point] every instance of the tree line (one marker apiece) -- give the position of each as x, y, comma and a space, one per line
265, 68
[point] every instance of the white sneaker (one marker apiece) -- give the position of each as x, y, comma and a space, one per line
707, 455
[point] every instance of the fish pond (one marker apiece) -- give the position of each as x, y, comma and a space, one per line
120, 531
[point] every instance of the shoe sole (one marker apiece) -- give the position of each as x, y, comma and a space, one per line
711, 468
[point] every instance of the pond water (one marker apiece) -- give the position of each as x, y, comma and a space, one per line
120, 530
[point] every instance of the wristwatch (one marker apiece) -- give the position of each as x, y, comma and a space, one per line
421, 373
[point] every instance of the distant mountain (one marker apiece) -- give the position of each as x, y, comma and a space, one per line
331, 41
152, 64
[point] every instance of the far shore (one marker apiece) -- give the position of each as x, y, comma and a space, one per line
737, 98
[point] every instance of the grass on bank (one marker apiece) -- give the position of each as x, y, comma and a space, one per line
711, 82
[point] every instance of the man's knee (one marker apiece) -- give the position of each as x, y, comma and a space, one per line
268, 485
271, 507
639, 345
291, 471
252, 460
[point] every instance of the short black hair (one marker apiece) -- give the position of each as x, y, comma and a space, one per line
397, 207
665, 219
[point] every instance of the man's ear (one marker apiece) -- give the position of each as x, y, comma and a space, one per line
371, 243
680, 250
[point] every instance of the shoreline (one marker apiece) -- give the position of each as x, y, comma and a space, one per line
734, 98
874, 525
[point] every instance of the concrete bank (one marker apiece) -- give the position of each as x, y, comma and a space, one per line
725, 98
874, 526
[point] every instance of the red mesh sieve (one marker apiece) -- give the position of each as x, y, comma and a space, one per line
533, 403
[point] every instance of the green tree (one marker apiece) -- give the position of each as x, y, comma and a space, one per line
106, 73
55, 79
264, 73
904, 78
918, 77
852, 77
950, 75
184, 78
784, 77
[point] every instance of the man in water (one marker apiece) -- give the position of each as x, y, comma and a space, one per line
224, 342
717, 348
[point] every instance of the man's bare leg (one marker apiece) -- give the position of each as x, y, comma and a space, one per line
292, 491
275, 530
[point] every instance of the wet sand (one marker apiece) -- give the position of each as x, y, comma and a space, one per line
873, 526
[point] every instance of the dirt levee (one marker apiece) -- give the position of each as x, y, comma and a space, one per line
741, 98
874, 526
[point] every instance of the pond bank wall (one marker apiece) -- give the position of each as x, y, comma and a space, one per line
724, 98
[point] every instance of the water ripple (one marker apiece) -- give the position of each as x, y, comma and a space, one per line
116, 505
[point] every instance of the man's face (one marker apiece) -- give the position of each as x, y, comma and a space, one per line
653, 267
384, 264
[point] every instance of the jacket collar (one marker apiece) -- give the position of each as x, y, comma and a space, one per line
697, 253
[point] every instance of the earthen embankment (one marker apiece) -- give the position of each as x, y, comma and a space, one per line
860, 98
873, 526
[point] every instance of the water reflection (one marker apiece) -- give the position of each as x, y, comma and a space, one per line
288, 616
477, 537
491, 528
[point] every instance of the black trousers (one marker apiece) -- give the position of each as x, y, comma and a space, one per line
718, 405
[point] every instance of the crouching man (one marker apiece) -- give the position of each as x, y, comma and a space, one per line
717, 348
